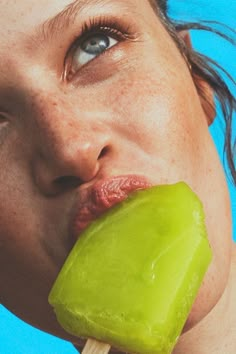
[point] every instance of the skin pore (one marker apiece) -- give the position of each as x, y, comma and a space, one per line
68, 121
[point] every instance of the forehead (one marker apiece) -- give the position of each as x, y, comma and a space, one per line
24, 15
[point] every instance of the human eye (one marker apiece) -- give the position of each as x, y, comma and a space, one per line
97, 37
90, 48
4, 124
3, 120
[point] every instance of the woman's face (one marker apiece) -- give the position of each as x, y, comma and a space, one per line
70, 119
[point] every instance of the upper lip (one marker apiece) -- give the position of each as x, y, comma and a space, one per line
103, 194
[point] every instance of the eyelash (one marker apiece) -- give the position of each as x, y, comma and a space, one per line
105, 25
102, 25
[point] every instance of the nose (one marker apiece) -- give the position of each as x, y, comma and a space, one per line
70, 152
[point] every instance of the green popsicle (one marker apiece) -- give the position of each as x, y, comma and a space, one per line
133, 275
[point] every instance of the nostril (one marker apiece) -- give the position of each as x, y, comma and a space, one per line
83, 170
65, 182
103, 152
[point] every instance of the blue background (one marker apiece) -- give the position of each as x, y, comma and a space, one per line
17, 337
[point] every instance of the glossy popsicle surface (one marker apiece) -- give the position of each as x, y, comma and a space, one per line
133, 275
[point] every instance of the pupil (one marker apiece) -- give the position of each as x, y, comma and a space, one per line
96, 44
93, 42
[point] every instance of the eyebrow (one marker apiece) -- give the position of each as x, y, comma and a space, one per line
57, 24
53, 26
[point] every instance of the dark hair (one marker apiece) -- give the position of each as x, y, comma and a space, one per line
206, 68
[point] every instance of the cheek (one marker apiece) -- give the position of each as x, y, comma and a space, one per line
17, 217
25, 239
19, 245
155, 114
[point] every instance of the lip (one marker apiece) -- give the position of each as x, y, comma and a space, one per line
101, 196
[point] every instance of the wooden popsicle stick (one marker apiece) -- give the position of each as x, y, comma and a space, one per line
92, 346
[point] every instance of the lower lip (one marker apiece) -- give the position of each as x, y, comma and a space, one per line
104, 195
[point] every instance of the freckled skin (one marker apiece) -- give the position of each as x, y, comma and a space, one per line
143, 111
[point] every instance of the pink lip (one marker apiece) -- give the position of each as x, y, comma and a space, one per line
104, 194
